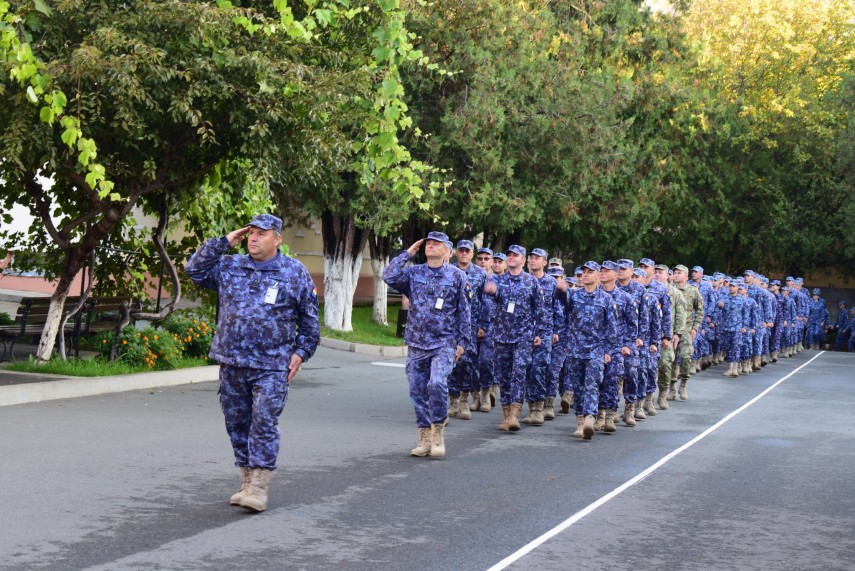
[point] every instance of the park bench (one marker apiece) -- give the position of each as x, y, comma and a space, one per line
98, 314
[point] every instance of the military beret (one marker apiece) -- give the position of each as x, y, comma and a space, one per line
465, 245
682, 268
646, 262
267, 222
500, 256
555, 262
592, 265
540, 252
662, 267
697, 269
775, 282
609, 265
639, 273
578, 271
487, 251
625, 264
555, 271
516, 249
437, 237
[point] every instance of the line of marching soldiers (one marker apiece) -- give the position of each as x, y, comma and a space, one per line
484, 332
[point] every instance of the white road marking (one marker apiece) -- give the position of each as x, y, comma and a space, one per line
517, 555
382, 364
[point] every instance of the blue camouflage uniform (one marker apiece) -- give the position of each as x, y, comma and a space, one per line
593, 329
557, 370
851, 330
790, 319
536, 384
751, 319
634, 379
439, 320
485, 343
817, 320
701, 342
465, 375
778, 329
842, 341
267, 312
626, 329
653, 335
521, 315
730, 325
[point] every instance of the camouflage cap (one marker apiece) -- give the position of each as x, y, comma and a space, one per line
539, 252
609, 265
697, 269
555, 271
639, 273
555, 262
681, 268
500, 256
438, 237
662, 267
815, 291
465, 245
267, 222
516, 249
625, 264
487, 251
775, 282
647, 262
591, 265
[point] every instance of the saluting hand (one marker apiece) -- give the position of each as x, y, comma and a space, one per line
414, 249
237, 236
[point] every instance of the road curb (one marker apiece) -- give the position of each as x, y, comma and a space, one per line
376, 350
89, 386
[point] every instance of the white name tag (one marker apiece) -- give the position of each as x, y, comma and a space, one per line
270, 296
438, 304
511, 306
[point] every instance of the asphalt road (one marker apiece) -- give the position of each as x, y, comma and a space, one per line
141, 480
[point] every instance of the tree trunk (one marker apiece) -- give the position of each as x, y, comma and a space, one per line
343, 246
54, 319
379, 247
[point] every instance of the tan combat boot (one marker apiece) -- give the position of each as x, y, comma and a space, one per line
423, 449
588, 427
755, 363
255, 498
549, 409
774, 356
609, 426
601, 420
732, 370
453, 405
245, 479
672, 391
506, 412
486, 405
649, 409
629, 414
437, 440
494, 394
514, 418
580, 423
476, 401
745, 368
566, 401
682, 391
538, 414
532, 413
463, 408
638, 409
663, 399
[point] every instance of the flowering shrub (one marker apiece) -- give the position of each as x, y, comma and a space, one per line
149, 347
193, 331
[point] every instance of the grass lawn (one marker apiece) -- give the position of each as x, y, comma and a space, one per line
365, 330
94, 367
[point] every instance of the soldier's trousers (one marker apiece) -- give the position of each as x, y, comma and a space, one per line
852, 343
630, 376
535, 387
731, 341
586, 375
842, 341
608, 398
485, 363
464, 376
556, 372
510, 365
427, 375
652, 370
775, 340
643, 373
666, 366
767, 338
745, 351
684, 351
815, 334
252, 400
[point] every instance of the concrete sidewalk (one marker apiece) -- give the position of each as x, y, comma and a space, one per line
20, 388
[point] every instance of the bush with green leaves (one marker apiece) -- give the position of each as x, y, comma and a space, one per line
5, 319
193, 330
156, 349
